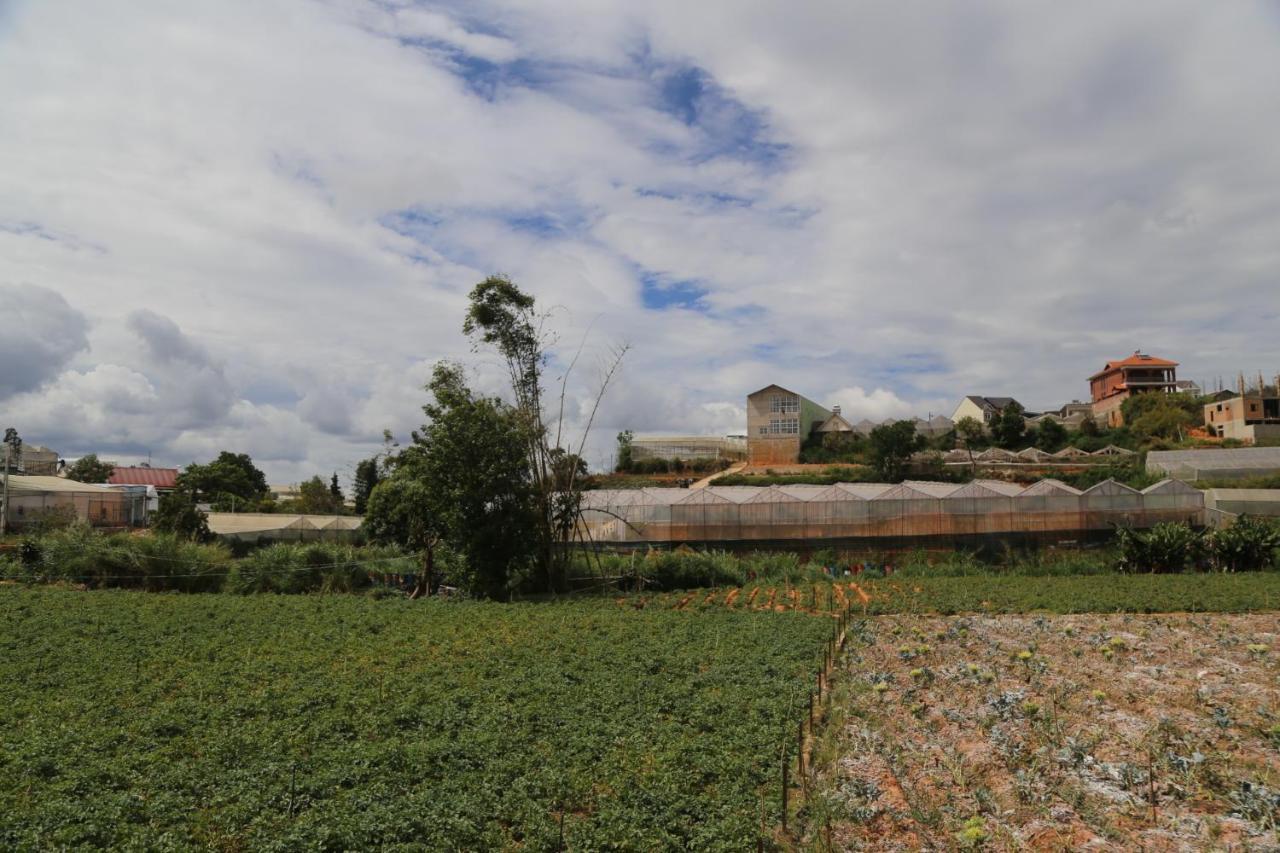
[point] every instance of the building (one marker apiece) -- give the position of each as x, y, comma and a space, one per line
163, 480
982, 409
38, 461
1215, 463
1248, 417
32, 499
1118, 380
778, 422
689, 447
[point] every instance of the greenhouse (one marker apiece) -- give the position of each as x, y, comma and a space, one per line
1217, 463
283, 527
910, 510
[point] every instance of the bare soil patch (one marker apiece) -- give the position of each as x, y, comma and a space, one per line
1155, 732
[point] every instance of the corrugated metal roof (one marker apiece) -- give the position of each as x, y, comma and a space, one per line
23, 483
141, 475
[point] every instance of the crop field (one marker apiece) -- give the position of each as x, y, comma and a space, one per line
990, 593
158, 721
1155, 732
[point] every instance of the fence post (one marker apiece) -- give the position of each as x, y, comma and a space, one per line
784, 790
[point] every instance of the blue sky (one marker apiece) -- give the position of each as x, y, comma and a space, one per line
253, 226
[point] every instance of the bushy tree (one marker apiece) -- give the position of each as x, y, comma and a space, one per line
472, 465
89, 469
1249, 544
892, 446
399, 512
316, 498
179, 515
1009, 427
230, 481
971, 432
1051, 436
626, 452
1167, 416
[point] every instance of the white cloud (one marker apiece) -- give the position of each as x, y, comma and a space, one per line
260, 221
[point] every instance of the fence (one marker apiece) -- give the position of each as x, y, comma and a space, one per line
879, 511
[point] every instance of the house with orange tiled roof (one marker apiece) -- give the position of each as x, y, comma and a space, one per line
1140, 373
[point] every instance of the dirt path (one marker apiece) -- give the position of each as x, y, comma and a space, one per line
732, 469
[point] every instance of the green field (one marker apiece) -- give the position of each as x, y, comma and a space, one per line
333, 722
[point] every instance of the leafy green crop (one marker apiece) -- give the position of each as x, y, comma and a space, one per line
272, 722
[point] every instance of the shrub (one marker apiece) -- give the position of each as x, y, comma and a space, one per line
1248, 544
1166, 547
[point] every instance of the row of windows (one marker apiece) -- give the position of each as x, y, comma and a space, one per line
784, 404
781, 426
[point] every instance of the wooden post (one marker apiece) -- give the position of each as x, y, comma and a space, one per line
810, 709
800, 750
784, 790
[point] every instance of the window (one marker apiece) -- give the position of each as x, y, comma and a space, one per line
784, 404
783, 426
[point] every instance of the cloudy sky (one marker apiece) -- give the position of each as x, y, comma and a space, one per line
252, 225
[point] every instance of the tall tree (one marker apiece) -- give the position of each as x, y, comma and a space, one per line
336, 491
367, 478
626, 451
971, 431
892, 446
502, 316
89, 469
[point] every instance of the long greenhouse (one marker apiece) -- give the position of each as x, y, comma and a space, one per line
912, 510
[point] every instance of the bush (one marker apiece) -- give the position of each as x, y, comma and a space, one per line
1166, 547
291, 568
1249, 544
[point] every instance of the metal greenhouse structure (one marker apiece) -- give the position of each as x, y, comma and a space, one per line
881, 513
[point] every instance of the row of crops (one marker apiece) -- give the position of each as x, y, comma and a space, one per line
1218, 593
268, 722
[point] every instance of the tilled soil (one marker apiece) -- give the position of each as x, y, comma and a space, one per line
1120, 732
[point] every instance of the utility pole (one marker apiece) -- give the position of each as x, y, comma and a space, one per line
11, 444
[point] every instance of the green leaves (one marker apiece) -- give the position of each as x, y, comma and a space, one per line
149, 721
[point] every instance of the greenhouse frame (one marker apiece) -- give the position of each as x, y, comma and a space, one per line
1216, 463
912, 510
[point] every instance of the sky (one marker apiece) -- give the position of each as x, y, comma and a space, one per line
252, 225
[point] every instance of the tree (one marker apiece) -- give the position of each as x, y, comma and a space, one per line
1155, 415
399, 512
971, 432
472, 469
1009, 427
891, 448
230, 481
626, 457
336, 491
502, 316
89, 469
1051, 436
1089, 427
179, 515
316, 498
367, 478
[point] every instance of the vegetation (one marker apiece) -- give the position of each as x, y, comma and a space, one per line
892, 446
1009, 427
500, 489
1249, 544
349, 723
89, 469
230, 483
178, 515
